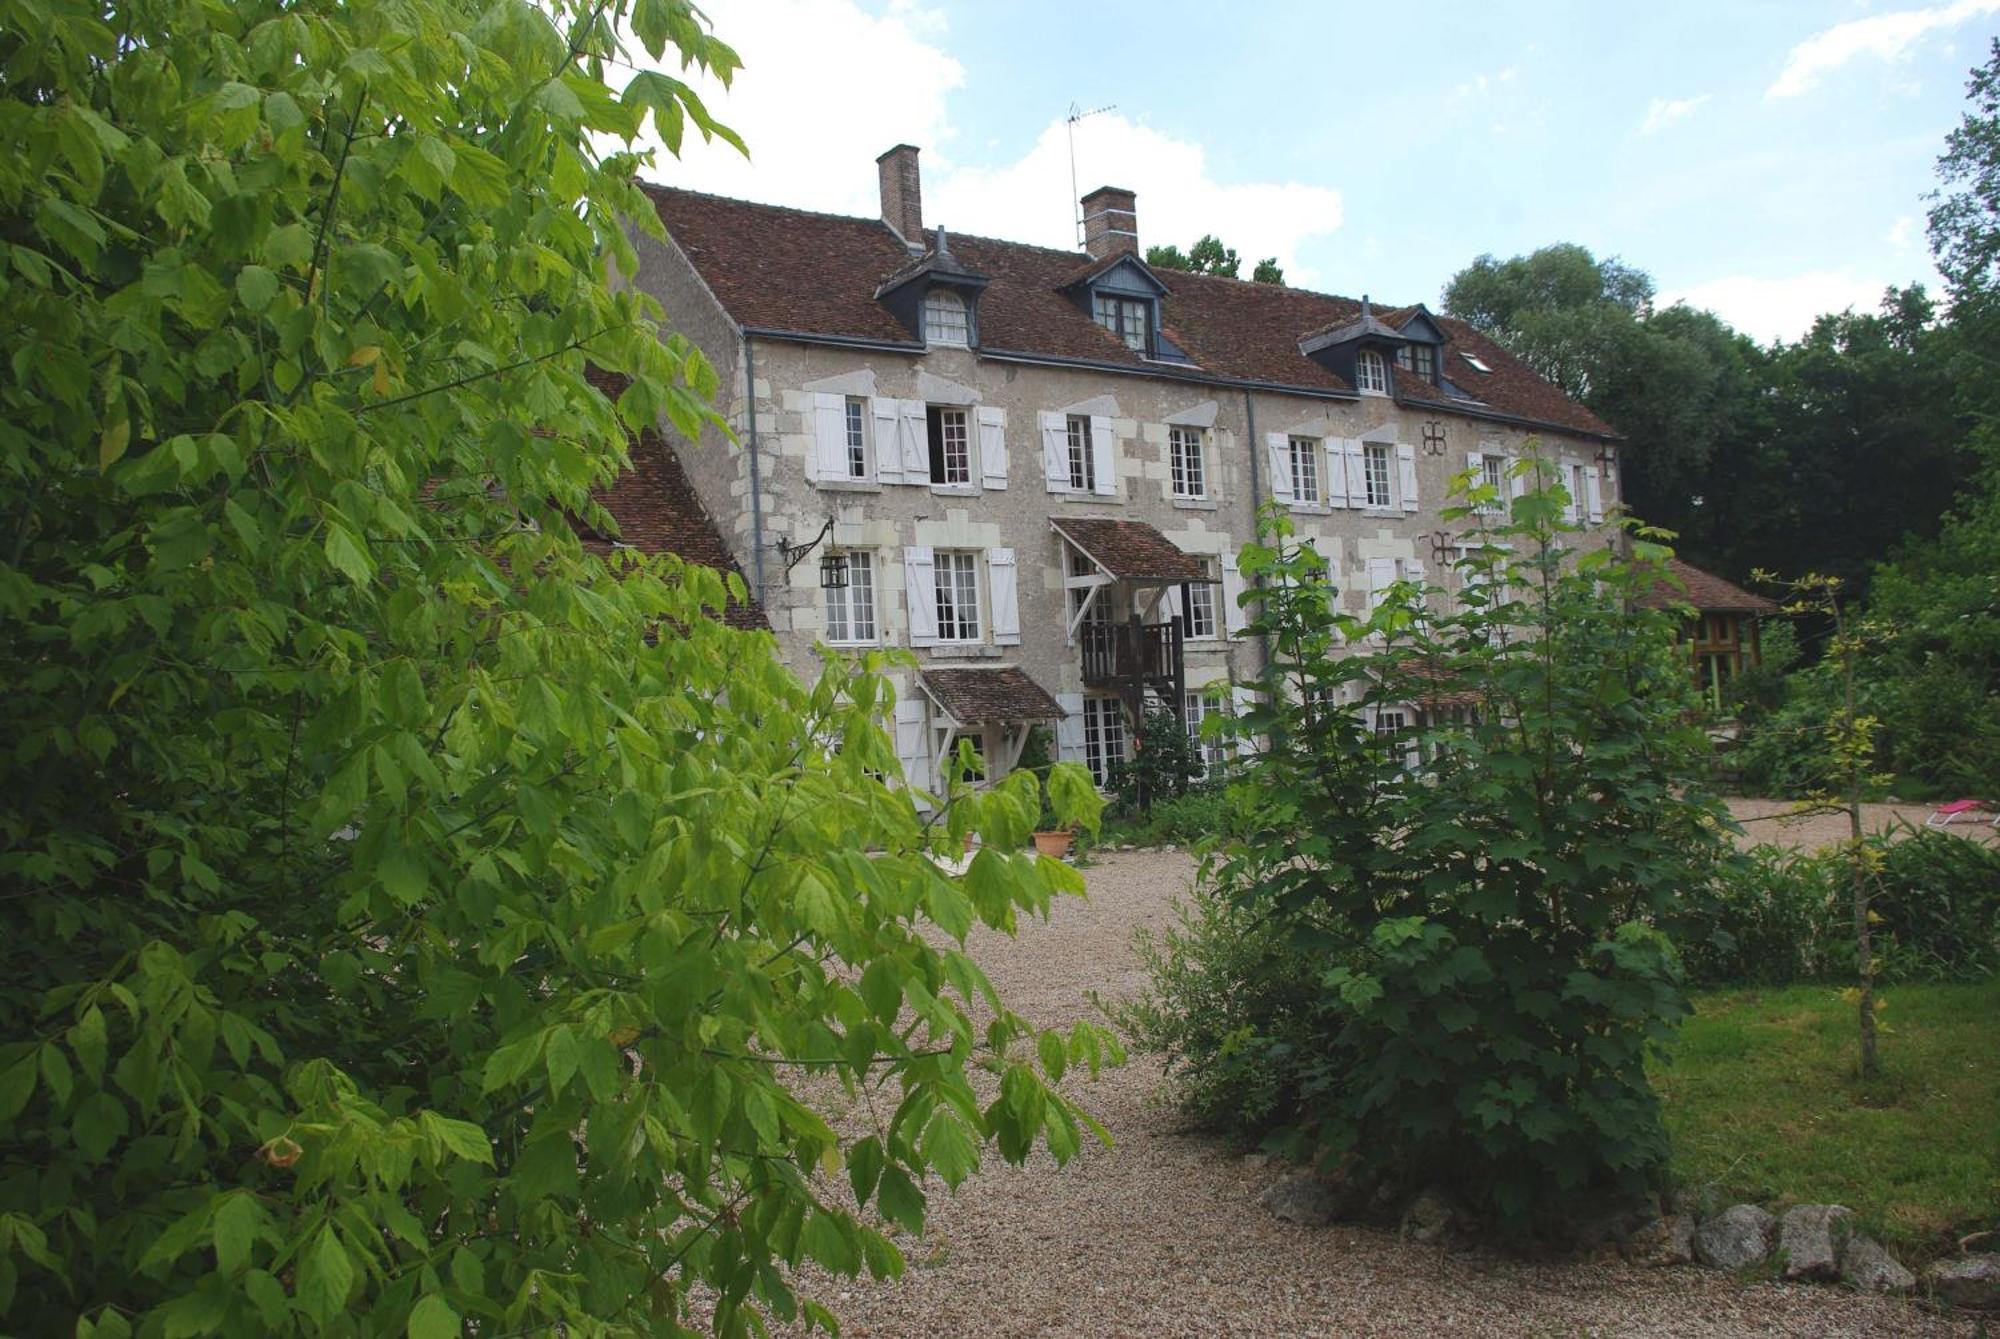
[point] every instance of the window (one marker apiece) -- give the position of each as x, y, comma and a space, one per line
1125, 318
958, 596
1573, 485
1082, 465
1425, 358
1478, 364
850, 610
1389, 723
1103, 737
945, 319
1375, 470
1493, 474
857, 437
1305, 471
1371, 374
1198, 607
951, 448
1184, 454
1214, 753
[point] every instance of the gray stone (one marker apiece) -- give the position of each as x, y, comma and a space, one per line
1305, 1199
1668, 1240
1810, 1237
1867, 1264
1735, 1238
1970, 1283
1429, 1219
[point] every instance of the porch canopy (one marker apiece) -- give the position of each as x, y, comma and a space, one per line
1131, 554
1002, 701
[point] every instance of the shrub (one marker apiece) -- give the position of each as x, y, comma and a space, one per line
1775, 917
1433, 952
1938, 897
1163, 764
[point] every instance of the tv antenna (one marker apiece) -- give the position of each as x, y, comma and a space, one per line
1076, 114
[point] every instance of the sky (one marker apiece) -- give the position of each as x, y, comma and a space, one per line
1766, 159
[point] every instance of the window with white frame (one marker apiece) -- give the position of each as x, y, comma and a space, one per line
856, 423
957, 595
1305, 453
1371, 374
1126, 318
1198, 616
945, 320
1184, 454
1214, 753
951, 446
1082, 464
1493, 474
1375, 474
1573, 485
1103, 737
850, 609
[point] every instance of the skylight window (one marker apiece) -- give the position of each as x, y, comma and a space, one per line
1478, 365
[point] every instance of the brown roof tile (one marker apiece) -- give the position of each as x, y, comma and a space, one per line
1684, 583
780, 269
1130, 550
974, 696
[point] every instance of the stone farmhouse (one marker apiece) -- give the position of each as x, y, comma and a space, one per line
1036, 468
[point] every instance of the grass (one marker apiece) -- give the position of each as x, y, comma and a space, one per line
1764, 1102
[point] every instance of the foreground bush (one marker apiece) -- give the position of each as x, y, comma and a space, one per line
1435, 956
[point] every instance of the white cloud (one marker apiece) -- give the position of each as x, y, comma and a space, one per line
1888, 37
814, 128
1665, 111
1480, 85
1769, 309
1902, 232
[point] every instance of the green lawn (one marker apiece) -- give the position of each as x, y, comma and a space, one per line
1763, 1100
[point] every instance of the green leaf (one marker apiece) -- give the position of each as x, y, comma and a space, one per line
348, 556
864, 1168
326, 1276
100, 1121
561, 1057
433, 1318
463, 1138
234, 1228
949, 1149
900, 1201
256, 287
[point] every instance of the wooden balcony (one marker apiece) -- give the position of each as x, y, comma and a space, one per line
1134, 658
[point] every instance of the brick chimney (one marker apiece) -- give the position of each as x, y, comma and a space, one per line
902, 193
1110, 222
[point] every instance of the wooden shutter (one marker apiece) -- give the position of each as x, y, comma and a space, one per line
1280, 451
993, 445
1357, 472
828, 461
1232, 596
1334, 472
920, 581
1406, 469
1381, 576
913, 441
1241, 700
888, 456
1055, 451
1593, 493
1102, 463
911, 746
1069, 728
1000, 575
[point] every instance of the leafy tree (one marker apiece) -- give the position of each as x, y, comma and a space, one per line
1561, 310
1439, 957
1164, 763
417, 921
1267, 272
1208, 256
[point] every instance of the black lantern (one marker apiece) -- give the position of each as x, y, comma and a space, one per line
833, 571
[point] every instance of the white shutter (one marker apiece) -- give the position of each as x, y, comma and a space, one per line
1232, 596
1069, 729
1413, 572
1000, 574
1381, 576
1172, 600
920, 580
993, 446
888, 456
1335, 471
1241, 700
1281, 465
1406, 467
828, 460
910, 742
1519, 478
1593, 493
913, 441
1055, 451
1101, 463
1475, 463
1357, 472
1572, 482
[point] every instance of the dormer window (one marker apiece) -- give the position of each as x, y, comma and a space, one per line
1371, 374
945, 319
1420, 359
1126, 318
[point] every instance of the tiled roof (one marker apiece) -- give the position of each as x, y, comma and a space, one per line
1684, 583
975, 696
778, 269
658, 511
1130, 550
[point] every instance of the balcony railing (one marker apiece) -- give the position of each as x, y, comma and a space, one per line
1132, 656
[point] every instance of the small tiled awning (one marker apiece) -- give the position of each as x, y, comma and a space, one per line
1130, 550
981, 696
1684, 583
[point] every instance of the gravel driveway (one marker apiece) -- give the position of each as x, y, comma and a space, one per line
1761, 823
1161, 1234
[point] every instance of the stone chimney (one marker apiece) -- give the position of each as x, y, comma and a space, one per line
1110, 222
902, 194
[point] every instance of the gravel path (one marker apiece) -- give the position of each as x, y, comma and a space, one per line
1161, 1235
1760, 825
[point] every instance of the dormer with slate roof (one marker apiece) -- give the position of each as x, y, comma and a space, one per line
1422, 355
1359, 352
936, 297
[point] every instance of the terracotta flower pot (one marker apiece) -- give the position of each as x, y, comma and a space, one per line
1054, 843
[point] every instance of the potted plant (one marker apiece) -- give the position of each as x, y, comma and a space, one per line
1051, 836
